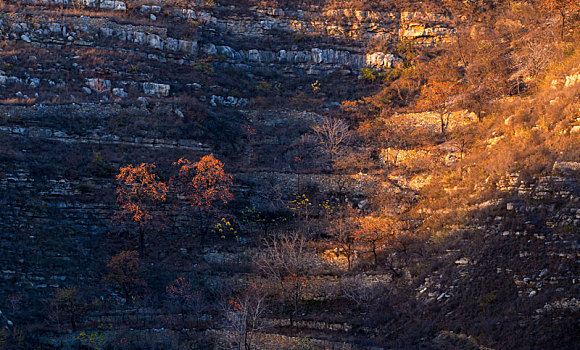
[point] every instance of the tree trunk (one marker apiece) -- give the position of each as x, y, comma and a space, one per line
296, 304
266, 226
348, 260
73, 322
563, 23
141, 241
298, 183
444, 122
127, 294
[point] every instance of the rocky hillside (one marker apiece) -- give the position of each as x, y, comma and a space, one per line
483, 239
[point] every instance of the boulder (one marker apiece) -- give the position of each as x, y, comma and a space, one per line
572, 80
210, 49
143, 100
566, 167
380, 59
227, 52
155, 41
188, 14
113, 5
171, 44
229, 101
187, 46
119, 92
154, 89
450, 159
254, 55
4, 322
98, 85
34, 82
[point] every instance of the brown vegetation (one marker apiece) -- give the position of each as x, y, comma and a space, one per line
447, 218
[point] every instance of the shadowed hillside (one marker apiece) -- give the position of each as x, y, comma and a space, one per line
289, 174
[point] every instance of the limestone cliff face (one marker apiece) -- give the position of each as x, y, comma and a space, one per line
249, 42
339, 39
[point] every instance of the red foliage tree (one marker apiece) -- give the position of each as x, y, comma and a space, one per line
138, 189
181, 293
125, 273
204, 183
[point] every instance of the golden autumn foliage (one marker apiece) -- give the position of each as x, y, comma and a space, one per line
375, 232
138, 186
560, 7
205, 181
439, 96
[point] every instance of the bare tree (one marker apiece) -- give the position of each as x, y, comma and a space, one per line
343, 228
360, 291
532, 58
288, 260
68, 304
244, 313
331, 134
100, 86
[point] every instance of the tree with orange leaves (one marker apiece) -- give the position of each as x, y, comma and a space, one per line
374, 232
125, 273
438, 96
139, 188
561, 7
204, 183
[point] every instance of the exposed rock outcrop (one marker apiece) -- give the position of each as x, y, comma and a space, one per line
156, 89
